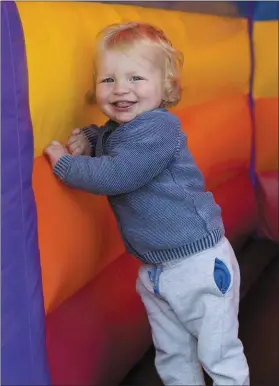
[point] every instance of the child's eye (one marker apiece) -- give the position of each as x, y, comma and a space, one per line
107, 80
135, 78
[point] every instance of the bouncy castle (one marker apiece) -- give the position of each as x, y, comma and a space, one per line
70, 312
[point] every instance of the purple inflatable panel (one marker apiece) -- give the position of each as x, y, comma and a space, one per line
23, 358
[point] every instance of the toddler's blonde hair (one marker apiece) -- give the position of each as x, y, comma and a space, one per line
128, 35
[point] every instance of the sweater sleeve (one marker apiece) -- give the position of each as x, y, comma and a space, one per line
141, 155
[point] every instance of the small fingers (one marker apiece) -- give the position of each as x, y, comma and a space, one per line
76, 131
49, 147
76, 151
75, 148
55, 146
72, 140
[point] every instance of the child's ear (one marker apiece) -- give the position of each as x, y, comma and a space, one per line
90, 97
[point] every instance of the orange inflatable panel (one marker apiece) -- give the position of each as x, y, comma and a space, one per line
219, 136
78, 235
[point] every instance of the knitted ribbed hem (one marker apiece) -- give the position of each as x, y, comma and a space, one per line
62, 166
162, 256
91, 134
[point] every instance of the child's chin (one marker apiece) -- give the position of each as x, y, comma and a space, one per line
124, 117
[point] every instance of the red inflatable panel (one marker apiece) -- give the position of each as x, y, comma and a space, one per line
238, 202
268, 205
97, 335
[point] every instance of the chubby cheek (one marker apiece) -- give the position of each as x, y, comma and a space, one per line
151, 95
152, 99
102, 95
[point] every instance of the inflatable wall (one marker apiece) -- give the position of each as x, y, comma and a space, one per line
70, 314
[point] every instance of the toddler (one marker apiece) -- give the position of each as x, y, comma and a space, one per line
189, 278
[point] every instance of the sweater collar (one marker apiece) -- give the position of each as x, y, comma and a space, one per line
111, 125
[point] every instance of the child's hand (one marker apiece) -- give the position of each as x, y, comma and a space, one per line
78, 143
54, 152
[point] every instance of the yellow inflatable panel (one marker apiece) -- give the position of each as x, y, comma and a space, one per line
266, 59
59, 38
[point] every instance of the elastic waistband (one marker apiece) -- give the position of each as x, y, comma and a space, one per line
198, 246
173, 263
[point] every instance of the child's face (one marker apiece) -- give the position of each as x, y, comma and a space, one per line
128, 83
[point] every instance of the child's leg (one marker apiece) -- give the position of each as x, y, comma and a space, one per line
204, 293
176, 349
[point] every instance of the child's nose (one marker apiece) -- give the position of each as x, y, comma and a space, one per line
121, 88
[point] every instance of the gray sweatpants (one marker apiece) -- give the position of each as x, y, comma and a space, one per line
192, 306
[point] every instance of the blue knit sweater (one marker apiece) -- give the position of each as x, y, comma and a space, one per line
153, 185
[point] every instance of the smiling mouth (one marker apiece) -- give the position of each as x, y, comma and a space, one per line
123, 104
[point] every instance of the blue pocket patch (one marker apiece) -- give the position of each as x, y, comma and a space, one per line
222, 276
